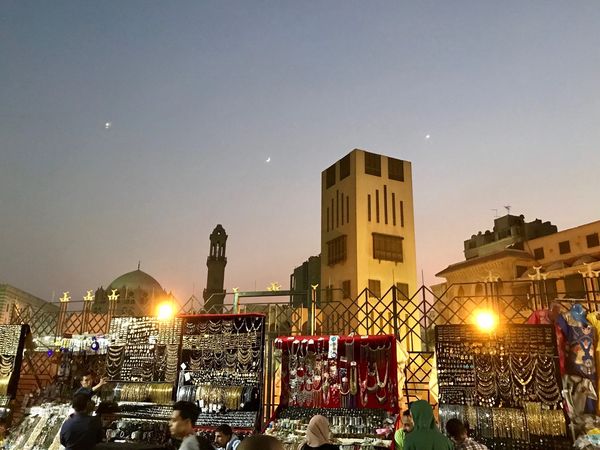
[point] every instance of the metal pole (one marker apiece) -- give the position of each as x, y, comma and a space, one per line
313, 308
236, 297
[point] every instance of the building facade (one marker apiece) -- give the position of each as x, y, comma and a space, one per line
17, 304
306, 275
564, 261
367, 227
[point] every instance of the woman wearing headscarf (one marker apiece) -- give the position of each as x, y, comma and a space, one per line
317, 435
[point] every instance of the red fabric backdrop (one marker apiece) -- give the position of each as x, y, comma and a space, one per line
391, 390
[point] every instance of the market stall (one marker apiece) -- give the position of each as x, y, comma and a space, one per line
352, 380
504, 384
12, 345
223, 369
142, 365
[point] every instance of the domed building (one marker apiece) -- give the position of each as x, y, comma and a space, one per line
139, 294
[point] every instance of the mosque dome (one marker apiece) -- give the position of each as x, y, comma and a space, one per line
137, 280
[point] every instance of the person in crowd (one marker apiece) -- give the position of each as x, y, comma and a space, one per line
81, 431
183, 418
261, 442
401, 432
458, 433
87, 384
425, 434
318, 435
225, 438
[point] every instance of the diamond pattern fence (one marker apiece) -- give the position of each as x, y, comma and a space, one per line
410, 318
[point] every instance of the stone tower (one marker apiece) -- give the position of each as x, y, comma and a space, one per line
214, 294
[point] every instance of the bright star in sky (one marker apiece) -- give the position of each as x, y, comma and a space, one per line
268, 159
427, 136
107, 125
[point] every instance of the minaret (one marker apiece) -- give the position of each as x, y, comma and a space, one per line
214, 293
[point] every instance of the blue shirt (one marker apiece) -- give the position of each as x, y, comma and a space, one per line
81, 432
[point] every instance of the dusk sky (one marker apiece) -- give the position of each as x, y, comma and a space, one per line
199, 94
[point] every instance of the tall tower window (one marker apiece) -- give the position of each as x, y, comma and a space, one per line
372, 164
377, 205
385, 213
375, 288
330, 176
393, 209
395, 169
342, 206
369, 207
346, 288
387, 247
345, 167
337, 209
336, 250
347, 209
401, 213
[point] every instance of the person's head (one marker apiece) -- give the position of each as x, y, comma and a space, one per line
87, 380
223, 435
81, 403
317, 432
456, 430
407, 421
260, 442
422, 415
183, 418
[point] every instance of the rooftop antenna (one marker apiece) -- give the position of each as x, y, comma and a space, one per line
139, 262
495, 212
507, 207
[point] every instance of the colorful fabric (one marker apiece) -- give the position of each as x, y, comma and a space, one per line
580, 344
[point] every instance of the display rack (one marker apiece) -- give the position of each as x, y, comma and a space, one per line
505, 384
12, 345
40, 429
223, 369
352, 380
142, 364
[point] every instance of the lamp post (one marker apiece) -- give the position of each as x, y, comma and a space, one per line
537, 279
87, 305
112, 305
589, 276
64, 302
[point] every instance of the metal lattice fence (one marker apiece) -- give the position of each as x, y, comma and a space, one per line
411, 319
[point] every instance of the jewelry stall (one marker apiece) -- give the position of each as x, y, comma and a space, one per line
504, 384
352, 380
12, 345
223, 370
142, 365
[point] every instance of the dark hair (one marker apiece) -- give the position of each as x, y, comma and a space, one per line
406, 413
260, 442
455, 428
80, 402
88, 372
203, 443
187, 410
225, 429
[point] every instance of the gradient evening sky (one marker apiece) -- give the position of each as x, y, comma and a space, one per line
201, 93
